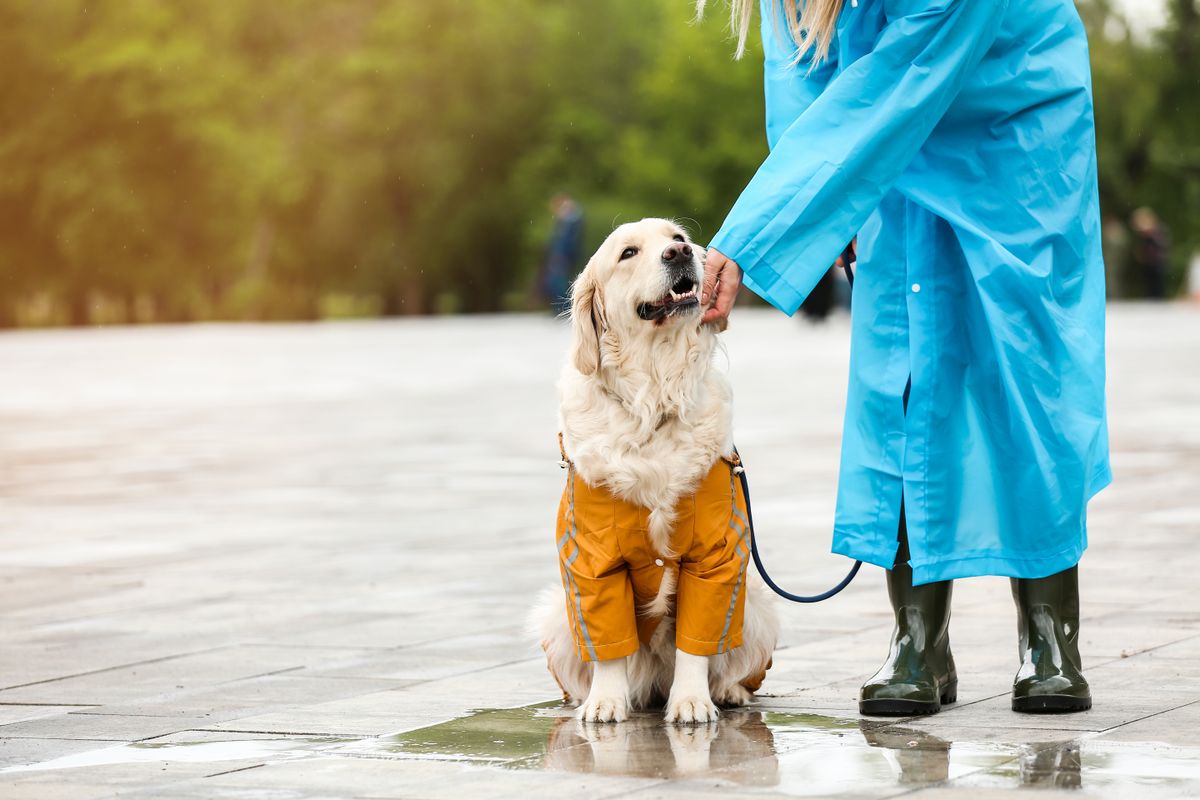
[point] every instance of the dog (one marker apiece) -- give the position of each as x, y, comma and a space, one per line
646, 435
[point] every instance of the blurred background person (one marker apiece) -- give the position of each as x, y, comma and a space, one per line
1151, 251
561, 260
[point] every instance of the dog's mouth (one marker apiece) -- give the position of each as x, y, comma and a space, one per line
680, 299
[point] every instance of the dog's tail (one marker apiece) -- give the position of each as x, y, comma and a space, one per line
663, 602
547, 624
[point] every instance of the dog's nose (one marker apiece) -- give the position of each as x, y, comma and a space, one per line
680, 251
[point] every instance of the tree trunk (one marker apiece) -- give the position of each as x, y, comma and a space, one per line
8, 312
78, 308
405, 297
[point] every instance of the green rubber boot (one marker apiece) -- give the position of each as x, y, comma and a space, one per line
1051, 678
918, 676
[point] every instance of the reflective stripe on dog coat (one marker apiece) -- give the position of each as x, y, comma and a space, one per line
611, 573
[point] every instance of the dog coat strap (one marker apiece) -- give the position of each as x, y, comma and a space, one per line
562, 452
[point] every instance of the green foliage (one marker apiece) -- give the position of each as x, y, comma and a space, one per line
1147, 97
293, 160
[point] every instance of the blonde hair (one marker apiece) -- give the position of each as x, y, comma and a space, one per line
810, 28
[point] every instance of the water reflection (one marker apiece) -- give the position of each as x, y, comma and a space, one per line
916, 757
795, 753
1052, 766
740, 747
919, 757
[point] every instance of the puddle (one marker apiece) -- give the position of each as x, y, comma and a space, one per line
1119, 769
794, 754
549, 737
492, 736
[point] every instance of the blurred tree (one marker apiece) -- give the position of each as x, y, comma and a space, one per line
447, 97
167, 161
1147, 93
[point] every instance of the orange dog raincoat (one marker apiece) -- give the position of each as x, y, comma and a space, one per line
609, 570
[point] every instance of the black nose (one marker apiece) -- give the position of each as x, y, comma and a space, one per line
680, 251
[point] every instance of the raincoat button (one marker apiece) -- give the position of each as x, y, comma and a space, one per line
658, 562
916, 287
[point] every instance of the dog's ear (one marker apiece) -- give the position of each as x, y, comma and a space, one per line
587, 323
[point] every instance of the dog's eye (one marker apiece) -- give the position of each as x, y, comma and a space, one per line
628, 252
678, 237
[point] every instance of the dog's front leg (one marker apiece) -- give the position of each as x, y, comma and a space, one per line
690, 701
608, 699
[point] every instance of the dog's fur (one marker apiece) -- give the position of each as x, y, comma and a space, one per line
644, 414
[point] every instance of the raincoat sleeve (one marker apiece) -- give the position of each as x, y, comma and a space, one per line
831, 167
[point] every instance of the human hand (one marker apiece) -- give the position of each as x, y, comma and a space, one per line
852, 249
722, 278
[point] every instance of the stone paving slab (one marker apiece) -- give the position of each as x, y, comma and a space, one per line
121, 684
294, 561
237, 699
94, 726
22, 713
23, 752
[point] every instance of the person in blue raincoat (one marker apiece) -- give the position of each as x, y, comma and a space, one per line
955, 138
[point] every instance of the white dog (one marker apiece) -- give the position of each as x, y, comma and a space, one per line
645, 415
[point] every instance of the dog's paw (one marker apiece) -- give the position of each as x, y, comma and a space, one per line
691, 710
732, 696
603, 709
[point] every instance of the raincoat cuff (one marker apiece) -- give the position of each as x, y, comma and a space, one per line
607, 652
699, 647
758, 276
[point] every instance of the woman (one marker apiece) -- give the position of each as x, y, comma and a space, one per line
955, 139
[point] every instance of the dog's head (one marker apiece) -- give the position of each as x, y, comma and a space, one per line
643, 281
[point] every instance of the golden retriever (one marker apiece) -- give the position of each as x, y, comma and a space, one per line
644, 413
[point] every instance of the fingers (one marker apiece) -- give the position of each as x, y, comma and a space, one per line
726, 294
727, 290
851, 249
722, 278
713, 264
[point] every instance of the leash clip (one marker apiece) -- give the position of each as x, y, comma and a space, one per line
563, 464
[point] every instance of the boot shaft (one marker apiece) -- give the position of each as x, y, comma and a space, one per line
1050, 678
1048, 615
930, 602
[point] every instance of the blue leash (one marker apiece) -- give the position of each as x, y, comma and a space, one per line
847, 257
785, 594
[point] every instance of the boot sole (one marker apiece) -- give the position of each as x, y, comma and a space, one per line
1050, 704
907, 708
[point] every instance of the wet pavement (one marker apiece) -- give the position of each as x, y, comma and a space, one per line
293, 562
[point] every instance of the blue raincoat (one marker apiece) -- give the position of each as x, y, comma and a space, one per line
956, 139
